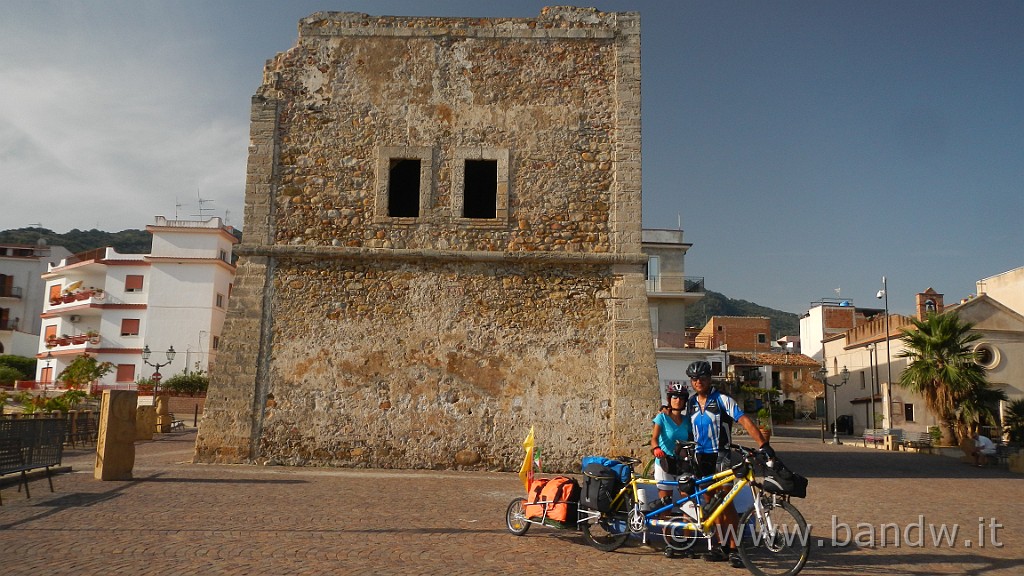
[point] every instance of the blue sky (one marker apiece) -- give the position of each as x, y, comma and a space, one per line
804, 147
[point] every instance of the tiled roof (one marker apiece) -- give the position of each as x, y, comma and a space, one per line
773, 359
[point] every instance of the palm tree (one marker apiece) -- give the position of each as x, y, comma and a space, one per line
944, 372
1015, 421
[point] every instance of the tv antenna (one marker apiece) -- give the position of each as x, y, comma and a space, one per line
202, 209
176, 206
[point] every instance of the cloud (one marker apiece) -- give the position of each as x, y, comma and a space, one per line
109, 133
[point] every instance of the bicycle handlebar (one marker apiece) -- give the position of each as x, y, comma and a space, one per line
628, 460
750, 454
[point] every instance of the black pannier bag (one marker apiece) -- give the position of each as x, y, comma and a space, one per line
600, 485
682, 462
782, 480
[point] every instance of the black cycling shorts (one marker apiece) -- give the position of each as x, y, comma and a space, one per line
708, 464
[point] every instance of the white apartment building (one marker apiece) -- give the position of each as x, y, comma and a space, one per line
21, 294
112, 305
669, 292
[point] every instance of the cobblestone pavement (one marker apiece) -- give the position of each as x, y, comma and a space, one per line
181, 518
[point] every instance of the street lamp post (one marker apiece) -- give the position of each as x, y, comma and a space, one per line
887, 389
871, 375
823, 376
844, 378
49, 359
146, 354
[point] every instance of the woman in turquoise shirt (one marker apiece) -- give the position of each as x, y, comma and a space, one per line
670, 426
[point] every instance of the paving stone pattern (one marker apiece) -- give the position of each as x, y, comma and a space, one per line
181, 518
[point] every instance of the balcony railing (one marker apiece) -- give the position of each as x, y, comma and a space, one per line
675, 284
10, 292
78, 297
94, 254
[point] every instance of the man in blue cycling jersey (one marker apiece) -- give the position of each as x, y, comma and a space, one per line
711, 416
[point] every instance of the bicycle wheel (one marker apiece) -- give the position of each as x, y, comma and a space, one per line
611, 530
777, 543
515, 518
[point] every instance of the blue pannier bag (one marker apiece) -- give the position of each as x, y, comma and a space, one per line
621, 470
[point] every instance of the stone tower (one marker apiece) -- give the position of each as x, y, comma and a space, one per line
928, 302
441, 248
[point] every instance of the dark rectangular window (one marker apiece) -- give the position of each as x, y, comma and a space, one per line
404, 188
908, 412
480, 189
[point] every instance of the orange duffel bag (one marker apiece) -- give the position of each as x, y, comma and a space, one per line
559, 495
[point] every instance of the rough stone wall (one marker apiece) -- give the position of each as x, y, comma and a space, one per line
355, 338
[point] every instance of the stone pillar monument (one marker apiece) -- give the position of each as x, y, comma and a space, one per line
145, 422
115, 446
163, 413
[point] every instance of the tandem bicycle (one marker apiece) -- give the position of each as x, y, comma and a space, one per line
772, 536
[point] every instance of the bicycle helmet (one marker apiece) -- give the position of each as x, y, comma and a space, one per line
676, 389
698, 369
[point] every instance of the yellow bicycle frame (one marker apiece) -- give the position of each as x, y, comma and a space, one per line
720, 479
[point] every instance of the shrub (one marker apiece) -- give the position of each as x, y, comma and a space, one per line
190, 383
1015, 421
66, 401
144, 386
26, 366
9, 374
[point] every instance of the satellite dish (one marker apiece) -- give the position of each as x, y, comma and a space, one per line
73, 286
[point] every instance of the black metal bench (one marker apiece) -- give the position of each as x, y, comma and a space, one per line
917, 440
27, 444
83, 428
877, 436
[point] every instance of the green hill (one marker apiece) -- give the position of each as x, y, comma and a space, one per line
76, 241
715, 304
125, 241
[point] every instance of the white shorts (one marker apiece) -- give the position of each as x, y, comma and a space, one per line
661, 476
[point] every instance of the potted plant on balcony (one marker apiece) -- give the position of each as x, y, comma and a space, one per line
93, 336
83, 295
79, 339
64, 340
51, 340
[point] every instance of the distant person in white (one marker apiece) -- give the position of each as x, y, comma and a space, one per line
983, 448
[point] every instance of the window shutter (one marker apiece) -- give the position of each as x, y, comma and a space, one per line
126, 372
130, 327
133, 282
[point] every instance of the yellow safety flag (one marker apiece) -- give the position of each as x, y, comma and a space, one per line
526, 470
